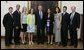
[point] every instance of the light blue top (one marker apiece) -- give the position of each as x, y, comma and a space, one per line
23, 18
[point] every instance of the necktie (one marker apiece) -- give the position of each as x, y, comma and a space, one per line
41, 14
71, 17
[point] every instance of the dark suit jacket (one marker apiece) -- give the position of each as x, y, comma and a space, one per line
8, 21
65, 21
16, 17
51, 21
40, 22
75, 21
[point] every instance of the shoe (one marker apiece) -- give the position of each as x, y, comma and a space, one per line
47, 43
17, 43
71, 45
75, 46
51, 43
64, 45
7, 44
59, 44
29, 42
38, 43
32, 42
11, 43
23, 43
42, 42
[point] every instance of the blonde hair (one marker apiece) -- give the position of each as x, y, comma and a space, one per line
23, 9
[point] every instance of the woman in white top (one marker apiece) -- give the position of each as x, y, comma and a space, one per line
23, 25
57, 25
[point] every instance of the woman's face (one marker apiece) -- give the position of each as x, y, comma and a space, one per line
48, 11
57, 10
25, 9
31, 11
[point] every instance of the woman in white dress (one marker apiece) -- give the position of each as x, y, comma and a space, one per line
31, 26
57, 25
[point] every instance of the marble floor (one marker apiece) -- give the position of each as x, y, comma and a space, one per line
40, 46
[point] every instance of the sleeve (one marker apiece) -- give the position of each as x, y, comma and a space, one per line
21, 20
67, 19
14, 17
27, 19
34, 19
78, 20
5, 20
60, 18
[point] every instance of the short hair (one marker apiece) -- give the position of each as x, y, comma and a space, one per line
10, 7
58, 10
17, 5
65, 7
74, 7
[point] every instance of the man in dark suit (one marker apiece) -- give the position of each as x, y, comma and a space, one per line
8, 24
40, 22
64, 27
74, 26
17, 24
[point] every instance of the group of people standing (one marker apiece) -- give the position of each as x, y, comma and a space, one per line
57, 25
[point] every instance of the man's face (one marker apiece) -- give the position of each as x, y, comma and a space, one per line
73, 8
40, 8
10, 10
64, 9
17, 7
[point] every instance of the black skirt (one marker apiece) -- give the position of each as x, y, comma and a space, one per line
24, 29
49, 30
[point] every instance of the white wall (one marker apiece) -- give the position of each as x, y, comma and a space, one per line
4, 9
78, 4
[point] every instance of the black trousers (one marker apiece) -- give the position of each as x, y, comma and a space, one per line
64, 36
8, 36
40, 35
73, 37
16, 35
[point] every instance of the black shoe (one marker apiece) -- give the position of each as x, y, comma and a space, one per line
17, 43
71, 45
42, 43
64, 45
12, 43
7, 44
38, 43
75, 46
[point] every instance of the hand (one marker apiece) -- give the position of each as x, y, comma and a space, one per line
77, 29
22, 27
17, 27
58, 28
21, 33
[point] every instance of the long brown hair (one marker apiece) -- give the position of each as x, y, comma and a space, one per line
58, 10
